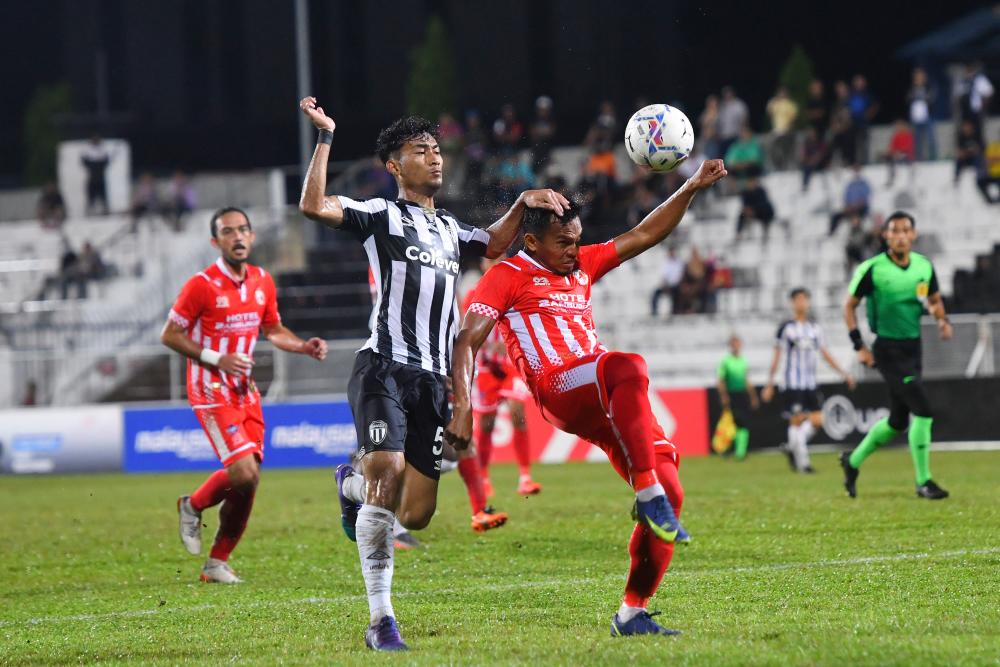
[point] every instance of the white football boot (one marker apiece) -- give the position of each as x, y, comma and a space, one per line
218, 572
190, 525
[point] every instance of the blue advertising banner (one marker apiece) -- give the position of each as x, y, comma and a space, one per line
297, 435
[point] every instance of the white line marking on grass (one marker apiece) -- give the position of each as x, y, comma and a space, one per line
512, 586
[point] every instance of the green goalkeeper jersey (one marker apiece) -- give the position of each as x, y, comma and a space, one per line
896, 295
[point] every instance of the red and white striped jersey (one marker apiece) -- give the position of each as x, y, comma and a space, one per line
545, 319
224, 314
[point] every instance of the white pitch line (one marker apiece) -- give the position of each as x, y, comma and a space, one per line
517, 585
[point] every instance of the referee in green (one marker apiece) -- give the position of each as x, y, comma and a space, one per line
898, 285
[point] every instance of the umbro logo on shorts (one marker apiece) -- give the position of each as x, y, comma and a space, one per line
377, 431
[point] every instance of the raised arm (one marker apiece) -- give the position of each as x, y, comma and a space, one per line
314, 203
664, 218
475, 330
504, 231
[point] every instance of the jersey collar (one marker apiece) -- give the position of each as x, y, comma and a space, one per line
228, 273
525, 256
902, 267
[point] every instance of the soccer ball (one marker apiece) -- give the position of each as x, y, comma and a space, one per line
659, 136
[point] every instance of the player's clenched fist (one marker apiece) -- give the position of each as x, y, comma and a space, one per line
708, 173
459, 431
315, 348
316, 115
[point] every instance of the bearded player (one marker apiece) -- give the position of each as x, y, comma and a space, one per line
541, 299
214, 323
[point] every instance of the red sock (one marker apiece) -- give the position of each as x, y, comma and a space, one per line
484, 445
469, 470
233, 516
627, 382
212, 492
651, 555
522, 449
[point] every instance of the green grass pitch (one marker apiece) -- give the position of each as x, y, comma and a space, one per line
784, 569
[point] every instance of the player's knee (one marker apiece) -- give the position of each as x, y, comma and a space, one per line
244, 478
417, 519
486, 422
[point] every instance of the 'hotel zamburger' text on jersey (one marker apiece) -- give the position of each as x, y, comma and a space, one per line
222, 313
546, 319
414, 255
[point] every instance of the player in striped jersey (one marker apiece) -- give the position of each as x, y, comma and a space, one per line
801, 341
214, 323
541, 300
398, 391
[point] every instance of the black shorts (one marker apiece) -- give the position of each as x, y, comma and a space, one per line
900, 363
399, 408
739, 403
798, 401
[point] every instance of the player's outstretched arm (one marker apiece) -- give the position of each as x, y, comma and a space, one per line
475, 330
504, 231
314, 203
175, 337
284, 339
664, 218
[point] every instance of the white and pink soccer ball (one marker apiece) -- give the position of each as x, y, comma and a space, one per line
659, 136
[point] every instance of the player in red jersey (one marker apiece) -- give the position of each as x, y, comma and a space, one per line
214, 323
542, 302
497, 380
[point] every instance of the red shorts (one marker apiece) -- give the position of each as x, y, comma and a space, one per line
234, 432
490, 390
573, 399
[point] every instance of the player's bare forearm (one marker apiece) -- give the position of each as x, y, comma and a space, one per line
475, 330
723, 393
935, 306
850, 317
775, 360
504, 231
175, 337
285, 339
313, 202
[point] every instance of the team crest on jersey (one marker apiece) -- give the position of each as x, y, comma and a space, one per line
377, 431
222, 302
259, 295
541, 280
581, 277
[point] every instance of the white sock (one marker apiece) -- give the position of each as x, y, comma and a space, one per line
397, 528
524, 478
798, 446
650, 492
375, 547
627, 613
806, 431
355, 488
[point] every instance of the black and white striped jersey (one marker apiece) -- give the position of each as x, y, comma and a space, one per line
801, 343
414, 255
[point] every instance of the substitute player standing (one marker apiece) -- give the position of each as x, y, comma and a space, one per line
214, 323
541, 299
398, 389
801, 341
898, 284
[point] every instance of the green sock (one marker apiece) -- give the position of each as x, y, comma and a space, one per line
920, 447
878, 435
740, 443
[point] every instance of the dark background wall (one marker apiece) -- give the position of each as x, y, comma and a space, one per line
211, 83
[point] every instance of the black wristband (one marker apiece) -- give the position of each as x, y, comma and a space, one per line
856, 339
325, 137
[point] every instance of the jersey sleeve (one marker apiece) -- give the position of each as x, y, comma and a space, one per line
933, 288
779, 337
494, 294
722, 370
472, 241
271, 315
361, 218
862, 284
597, 259
190, 302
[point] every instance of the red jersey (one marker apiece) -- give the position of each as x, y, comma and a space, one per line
224, 314
545, 319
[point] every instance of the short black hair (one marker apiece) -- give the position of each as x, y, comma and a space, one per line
797, 291
899, 215
537, 220
392, 138
221, 212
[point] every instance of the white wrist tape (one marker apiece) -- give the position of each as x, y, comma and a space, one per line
211, 357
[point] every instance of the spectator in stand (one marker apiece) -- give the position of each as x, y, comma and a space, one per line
507, 130
691, 290
51, 209
968, 150
182, 201
972, 93
842, 142
671, 274
643, 202
857, 199
69, 272
991, 171
602, 130
901, 150
817, 114
708, 127
921, 100
876, 244
855, 250
449, 135
600, 171
30, 398
782, 111
815, 156
745, 157
513, 177
476, 153
733, 117
754, 205
542, 133
95, 160
863, 109
89, 267
145, 199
